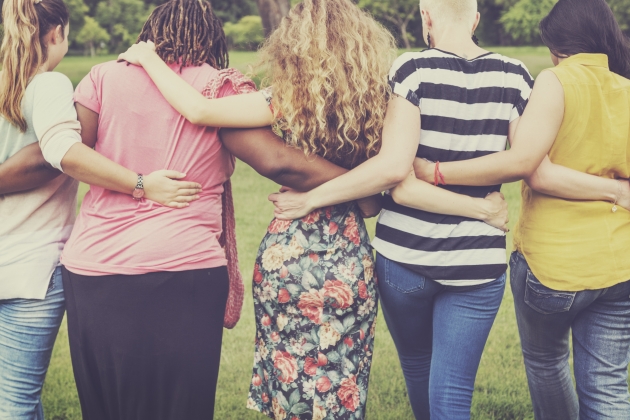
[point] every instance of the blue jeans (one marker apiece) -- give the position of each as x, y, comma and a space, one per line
600, 324
28, 329
439, 332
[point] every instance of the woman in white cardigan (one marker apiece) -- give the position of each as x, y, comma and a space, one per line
39, 139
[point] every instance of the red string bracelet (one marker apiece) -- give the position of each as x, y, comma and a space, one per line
438, 178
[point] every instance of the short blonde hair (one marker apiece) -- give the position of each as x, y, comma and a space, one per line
450, 9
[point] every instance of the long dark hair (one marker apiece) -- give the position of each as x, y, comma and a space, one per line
187, 31
26, 23
586, 26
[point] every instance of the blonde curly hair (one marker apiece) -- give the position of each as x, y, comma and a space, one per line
327, 64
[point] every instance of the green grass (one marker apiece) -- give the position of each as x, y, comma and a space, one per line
501, 388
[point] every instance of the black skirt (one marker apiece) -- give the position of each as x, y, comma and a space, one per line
146, 347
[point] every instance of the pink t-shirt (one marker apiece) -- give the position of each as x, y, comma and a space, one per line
138, 129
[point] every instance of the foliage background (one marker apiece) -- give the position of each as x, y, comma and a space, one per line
110, 26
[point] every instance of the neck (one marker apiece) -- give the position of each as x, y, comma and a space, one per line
44, 67
456, 39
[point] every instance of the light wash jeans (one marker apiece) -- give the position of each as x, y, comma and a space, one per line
599, 322
28, 329
439, 332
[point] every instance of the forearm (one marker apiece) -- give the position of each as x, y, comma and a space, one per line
25, 171
372, 177
248, 110
494, 169
563, 182
88, 166
268, 155
421, 195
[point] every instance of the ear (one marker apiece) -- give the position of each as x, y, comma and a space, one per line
57, 35
476, 24
426, 19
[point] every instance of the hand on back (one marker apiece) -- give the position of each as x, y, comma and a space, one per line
138, 52
164, 188
497, 211
624, 197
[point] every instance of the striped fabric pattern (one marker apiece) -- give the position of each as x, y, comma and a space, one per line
467, 107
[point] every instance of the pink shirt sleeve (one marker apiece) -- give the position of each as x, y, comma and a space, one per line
87, 91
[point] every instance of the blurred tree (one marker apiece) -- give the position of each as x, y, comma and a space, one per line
91, 35
621, 8
398, 13
522, 19
272, 12
78, 10
233, 10
123, 20
247, 34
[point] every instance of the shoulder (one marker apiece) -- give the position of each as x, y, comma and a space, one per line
512, 65
52, 79
51, 86
227, 82
415, 58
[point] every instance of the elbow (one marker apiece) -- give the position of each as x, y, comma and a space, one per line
194, 118
399, 195
523, 170
396, 175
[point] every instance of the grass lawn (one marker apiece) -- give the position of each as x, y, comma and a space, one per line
501, 387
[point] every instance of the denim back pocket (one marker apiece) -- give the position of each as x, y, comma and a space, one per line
403, 279
545, 300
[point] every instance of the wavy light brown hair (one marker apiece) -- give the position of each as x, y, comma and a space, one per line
328, 64
24, 49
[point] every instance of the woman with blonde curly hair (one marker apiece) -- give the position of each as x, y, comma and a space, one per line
314, 287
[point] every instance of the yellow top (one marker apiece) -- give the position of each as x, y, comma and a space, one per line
582, 245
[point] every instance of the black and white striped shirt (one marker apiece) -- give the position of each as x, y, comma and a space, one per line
467, 107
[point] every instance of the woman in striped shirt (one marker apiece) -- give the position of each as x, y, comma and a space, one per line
442, 277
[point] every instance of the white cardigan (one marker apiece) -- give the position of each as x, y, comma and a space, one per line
35, 225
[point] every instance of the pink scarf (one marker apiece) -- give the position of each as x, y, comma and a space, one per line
240, 84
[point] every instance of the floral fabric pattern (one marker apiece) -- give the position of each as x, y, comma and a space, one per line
315, 299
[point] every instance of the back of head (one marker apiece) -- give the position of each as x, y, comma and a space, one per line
451, 10
328, 63
586, 26
187, 32
26, 23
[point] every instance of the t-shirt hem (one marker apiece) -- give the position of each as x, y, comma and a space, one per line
100, 270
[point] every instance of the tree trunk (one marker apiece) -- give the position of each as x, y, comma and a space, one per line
404, 35
92, 50
272, 12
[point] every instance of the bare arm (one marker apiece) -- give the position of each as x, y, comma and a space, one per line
562, 182
86, 165
384, 171
421, 195
25, 171
264, 151
537, 130
239, 111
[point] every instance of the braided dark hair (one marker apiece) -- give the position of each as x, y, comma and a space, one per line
187, 31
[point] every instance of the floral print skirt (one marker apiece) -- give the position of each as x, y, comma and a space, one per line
315, 299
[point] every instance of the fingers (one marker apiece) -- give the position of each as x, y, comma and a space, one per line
171, 174
273, 197
175, 205
186, 198
187, 192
